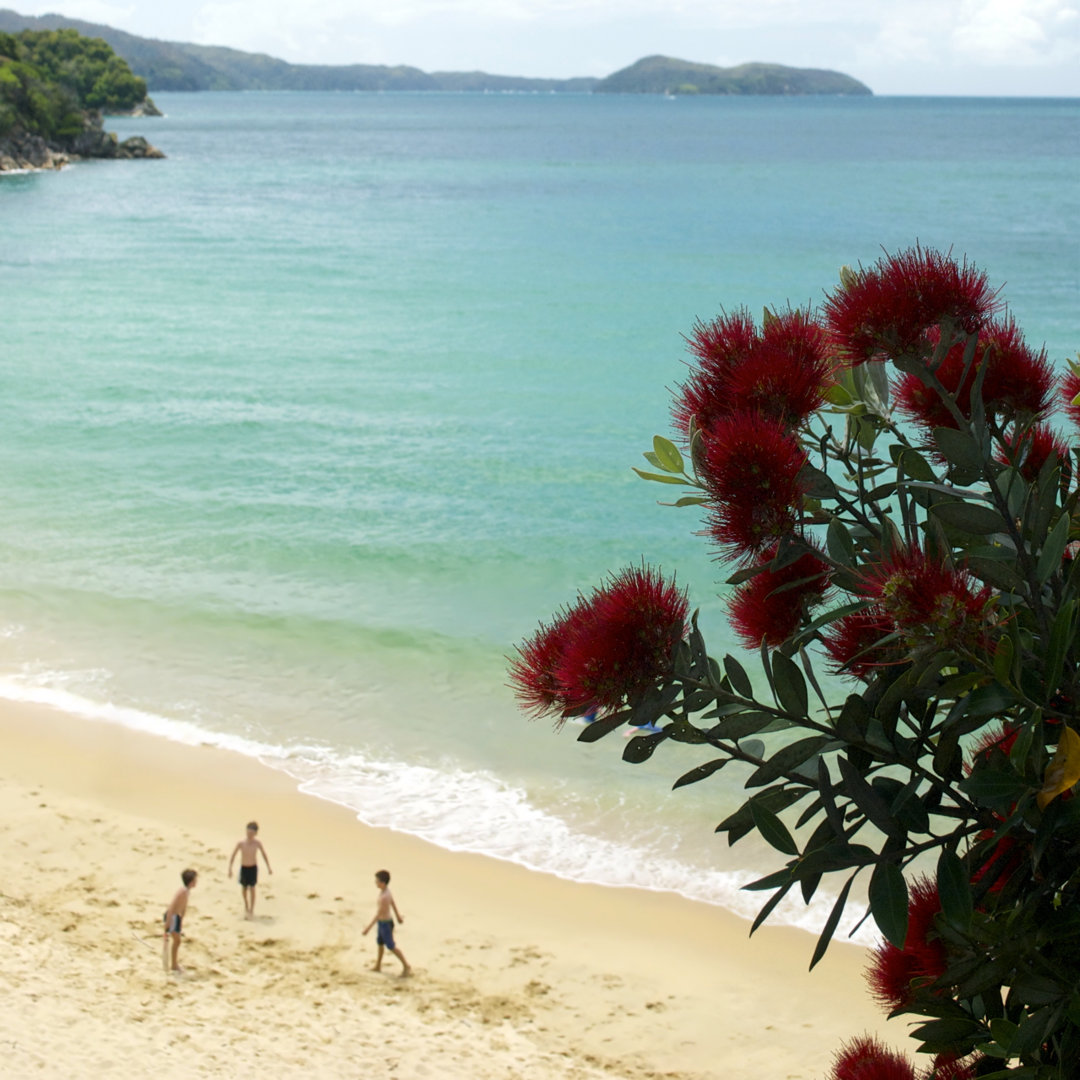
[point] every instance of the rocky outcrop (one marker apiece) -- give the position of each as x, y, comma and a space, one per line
146, 107
20, 150
137, 147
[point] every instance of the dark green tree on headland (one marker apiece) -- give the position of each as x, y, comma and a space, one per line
49, 78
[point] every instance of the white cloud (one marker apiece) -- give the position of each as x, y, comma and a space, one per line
98, 11
1017, 32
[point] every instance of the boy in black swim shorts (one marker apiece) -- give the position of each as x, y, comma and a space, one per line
248, 850
385, 936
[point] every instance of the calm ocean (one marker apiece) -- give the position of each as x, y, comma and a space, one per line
302, 428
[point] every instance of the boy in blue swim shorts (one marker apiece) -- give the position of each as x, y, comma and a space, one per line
385, 910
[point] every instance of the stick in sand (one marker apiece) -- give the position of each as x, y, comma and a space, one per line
164, 948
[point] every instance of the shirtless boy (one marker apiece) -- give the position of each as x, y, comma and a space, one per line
385, 936
174, 915
248, 850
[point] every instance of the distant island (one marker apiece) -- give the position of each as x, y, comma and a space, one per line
171, 65
55, 86
664, 75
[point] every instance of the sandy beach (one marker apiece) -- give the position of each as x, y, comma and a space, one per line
518, 974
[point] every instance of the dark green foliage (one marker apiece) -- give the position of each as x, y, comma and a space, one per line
948, 785
48, 78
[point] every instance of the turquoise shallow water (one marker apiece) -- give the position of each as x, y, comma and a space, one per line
304, 426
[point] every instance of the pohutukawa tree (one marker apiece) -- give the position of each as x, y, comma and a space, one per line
882, 480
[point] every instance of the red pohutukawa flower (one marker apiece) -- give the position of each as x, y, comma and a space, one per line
1006, 856
751, 469
773, 603
999, 738
892, 971
855, 643
626, 644
1032, 449
927, 599
865, 1058
885, 311
786, 372
719, 346
1070, 390
951, 1067
780, 372
1018, 381
532, 670
607, 649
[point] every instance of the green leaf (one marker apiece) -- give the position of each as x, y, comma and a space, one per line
1061, 637
837, 395
660, 478
652, 459
959, 449
767, 910
754, 747
994, 787
1003, 1031
1053, 549
736, 673
667, 454
787, 759
1036, 990
640, 748
1003, 660
599, 728
790, 685
975, 518
773, 831
741, 725
875, 808
815, 483
916, 466
702, 772
839, 544
954, 890
889, 902
691, 500
1032, 1032
831, 923
941, 1034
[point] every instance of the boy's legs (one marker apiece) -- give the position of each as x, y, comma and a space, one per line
378, 958
249, 902
175, 950
405, 969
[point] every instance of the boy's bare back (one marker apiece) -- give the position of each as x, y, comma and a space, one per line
179, 904
385, 907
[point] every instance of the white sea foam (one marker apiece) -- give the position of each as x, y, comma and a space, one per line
457, 809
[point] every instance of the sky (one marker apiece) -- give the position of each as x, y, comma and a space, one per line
977, 47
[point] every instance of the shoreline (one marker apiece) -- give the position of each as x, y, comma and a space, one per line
518, 972
305, 765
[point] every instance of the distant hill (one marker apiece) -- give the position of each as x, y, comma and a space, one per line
664, 75
173, 65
